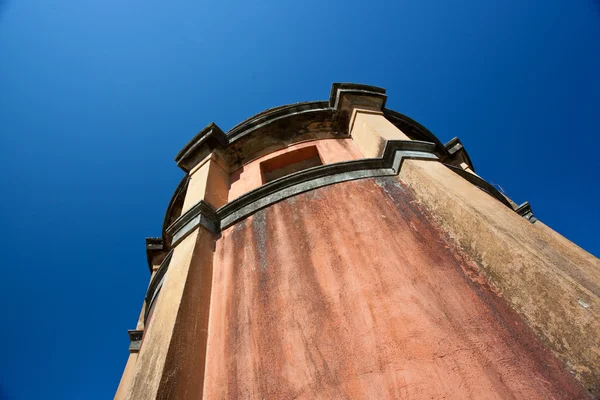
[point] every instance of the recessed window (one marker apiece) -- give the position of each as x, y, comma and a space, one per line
289, 163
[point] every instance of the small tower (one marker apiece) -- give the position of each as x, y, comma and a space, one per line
337, 249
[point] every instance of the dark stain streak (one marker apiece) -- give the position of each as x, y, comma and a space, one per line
259, 230
283, 246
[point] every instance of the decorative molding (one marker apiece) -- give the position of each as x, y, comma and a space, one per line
190, 155
135, 340
154, 246
356, 95
272, 115
312, 178
212, 137
526, 212
341, 95
455, 147
203, 214
389, 164
396, 151
156, 284
176, 201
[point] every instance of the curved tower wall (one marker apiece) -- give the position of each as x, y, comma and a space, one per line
339, 250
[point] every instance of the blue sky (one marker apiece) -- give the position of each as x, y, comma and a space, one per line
97, 97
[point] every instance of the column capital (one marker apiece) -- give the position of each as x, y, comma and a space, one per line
200, 146
155, 252
135, 340
346, 96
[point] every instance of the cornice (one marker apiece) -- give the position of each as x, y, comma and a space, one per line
135, 340
312, 178
454, 147
290, 185
210, 137
272, 115
342, 97
176, 199
201, 214
389, 164
526, 212
243, 136
156, 283
154, 246
352, 94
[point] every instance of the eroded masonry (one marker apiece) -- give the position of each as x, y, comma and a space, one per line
338, 250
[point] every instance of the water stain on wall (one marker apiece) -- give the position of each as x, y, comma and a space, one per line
350, 291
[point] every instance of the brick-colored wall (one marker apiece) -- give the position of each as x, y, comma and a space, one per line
542, 275
350, 291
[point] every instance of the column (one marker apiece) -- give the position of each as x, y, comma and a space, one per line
171, 359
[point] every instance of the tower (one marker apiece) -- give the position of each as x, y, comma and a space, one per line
337, 249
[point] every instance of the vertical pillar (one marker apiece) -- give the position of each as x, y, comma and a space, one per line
129, 371
370, 131
171, 360
155, 253
369, 128
127, 376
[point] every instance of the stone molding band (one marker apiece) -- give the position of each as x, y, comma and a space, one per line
333, 111
135, 340
156, 284
325, 175
389, 164
204, 215
179, 194
525, 211
396, 151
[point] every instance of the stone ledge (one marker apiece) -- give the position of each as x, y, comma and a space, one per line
156, 283
154, 246
204, 215
455, 148
525, 211
211, 136
344, 96
135, 340
242, 137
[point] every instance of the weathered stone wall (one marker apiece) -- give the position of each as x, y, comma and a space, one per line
349, 291
551, 282
419, 285
170, 363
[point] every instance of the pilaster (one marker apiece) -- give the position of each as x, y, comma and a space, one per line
171, 359
370, 131
209, 181
367, 125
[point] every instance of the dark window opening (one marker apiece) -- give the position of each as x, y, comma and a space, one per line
289, 163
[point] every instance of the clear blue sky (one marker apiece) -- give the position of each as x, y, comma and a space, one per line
96, 98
